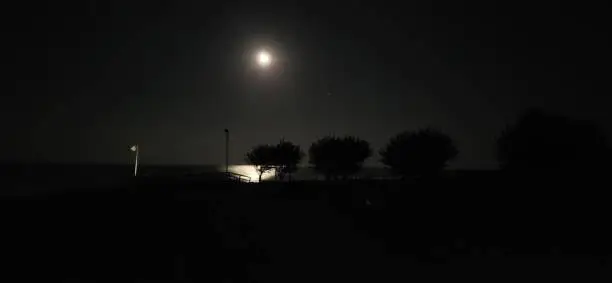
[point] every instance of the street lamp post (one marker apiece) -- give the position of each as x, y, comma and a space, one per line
136, 149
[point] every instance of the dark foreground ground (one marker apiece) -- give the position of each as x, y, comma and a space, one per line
477, 229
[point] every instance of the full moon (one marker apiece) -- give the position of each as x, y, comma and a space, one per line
264, 58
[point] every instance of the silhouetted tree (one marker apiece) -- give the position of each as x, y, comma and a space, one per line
287, 157
540, 142
422, 152
334, 156
263, 157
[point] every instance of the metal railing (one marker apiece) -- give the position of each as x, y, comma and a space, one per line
238, 177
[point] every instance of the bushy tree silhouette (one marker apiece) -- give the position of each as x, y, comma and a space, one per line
287, 157
334, 156
540, 142
422, 152
263, 157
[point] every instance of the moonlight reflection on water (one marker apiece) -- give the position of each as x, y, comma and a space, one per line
250, 171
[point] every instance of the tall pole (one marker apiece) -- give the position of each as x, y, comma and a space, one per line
226, 151
136, 161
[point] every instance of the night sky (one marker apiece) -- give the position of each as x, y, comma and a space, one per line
86, 79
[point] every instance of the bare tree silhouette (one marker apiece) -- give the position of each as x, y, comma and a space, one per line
334, 156
422, 152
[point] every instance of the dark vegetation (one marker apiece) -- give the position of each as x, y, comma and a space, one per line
542, 143
483, 224
336, 157
504, 225
423, 152
262, 157
283, 158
